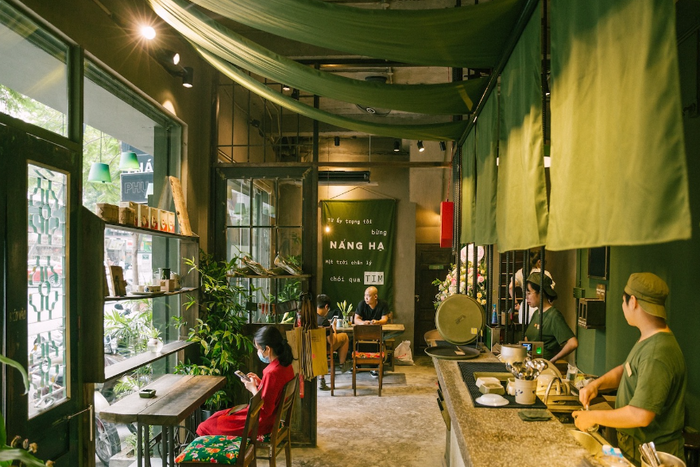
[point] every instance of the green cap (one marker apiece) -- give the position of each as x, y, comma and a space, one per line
536, 278
651, 292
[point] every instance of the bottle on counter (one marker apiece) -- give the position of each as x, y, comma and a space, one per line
494, 315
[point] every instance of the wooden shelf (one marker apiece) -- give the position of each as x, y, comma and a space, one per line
183, 290
130, 364
271, 276
144, 231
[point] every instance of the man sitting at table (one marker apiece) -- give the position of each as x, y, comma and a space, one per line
372, 310
337, 340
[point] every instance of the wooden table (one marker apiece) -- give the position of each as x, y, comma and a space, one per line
386, 328
177, 397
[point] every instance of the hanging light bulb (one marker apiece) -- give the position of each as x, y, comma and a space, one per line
421, 148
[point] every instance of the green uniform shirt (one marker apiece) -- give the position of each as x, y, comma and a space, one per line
555, 331
654, 378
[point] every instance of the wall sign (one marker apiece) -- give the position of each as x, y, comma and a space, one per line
358, 247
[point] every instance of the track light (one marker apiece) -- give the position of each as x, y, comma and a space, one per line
187, 76
336, 140
443, 146
168, 57
397, 145
147, 32
421, 148
285, 87
295, 94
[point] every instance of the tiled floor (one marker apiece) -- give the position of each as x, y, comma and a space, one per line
402, 428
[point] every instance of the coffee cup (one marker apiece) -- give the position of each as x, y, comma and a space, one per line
140, 288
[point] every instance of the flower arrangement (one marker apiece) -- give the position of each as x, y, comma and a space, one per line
346, 309
448, 286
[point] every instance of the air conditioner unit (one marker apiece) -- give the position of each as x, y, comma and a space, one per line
343, 177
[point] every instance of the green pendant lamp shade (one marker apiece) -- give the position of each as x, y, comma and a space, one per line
99, 173
129, 161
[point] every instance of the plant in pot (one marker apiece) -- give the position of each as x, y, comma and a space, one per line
346, 310
154, 344
223, 347
18, 450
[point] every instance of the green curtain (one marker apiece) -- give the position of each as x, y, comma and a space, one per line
521, 210
619, 173
486, 172
467, 203
470, 36
435, 99
433, 132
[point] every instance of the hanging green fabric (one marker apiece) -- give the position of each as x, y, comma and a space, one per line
619, 174
435, 99
522, 197
486, 172
430, 132
470, 36
467, 203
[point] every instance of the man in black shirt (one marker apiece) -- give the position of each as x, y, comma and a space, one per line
372, 310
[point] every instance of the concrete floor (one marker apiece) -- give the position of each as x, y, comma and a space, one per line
402, 428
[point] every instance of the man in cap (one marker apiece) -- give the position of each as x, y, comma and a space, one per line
650, 383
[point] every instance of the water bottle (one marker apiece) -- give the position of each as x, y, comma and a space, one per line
494, 315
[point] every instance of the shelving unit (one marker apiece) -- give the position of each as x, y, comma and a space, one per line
145, 251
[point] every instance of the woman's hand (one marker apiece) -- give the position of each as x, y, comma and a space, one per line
253, 384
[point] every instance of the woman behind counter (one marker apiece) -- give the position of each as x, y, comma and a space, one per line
558, 339
273, 349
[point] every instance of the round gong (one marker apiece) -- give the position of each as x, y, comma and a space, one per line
459, 319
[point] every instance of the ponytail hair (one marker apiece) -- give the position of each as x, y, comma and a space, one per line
270, 336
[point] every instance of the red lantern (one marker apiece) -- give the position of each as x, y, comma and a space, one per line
447, 214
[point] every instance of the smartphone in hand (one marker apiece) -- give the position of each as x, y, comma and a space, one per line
242, 375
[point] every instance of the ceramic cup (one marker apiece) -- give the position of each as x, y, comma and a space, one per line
525, 391
510, 387
140, 288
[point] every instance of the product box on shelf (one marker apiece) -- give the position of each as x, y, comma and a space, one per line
108, 212
171, 222
143, 216
163, 220
127, 216
154, 218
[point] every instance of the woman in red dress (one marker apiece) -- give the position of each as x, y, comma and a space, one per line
273, 349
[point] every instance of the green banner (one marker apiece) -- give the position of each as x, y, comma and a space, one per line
358, 249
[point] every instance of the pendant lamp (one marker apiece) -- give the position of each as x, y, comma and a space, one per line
99, 171
129, 161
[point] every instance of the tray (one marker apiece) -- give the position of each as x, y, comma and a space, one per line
469, 370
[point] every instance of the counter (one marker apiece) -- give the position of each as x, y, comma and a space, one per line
485, 437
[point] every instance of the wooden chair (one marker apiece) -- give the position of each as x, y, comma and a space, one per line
281, 436
223, 449
331, 367
368, 349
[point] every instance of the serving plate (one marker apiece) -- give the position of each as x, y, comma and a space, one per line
492, 400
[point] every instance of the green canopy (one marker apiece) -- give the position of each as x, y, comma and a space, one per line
486, 172
619, 174
433, 132
468, 201
522, 197
436, 99
469, 36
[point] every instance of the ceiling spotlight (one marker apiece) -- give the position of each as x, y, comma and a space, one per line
169, 57
397, 145
295, 94
443, 146
187, 76
148, 32
336, 140
286, 87
421, 148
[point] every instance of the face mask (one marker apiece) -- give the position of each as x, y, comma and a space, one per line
262, 357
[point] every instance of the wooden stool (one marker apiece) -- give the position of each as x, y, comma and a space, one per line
692, 449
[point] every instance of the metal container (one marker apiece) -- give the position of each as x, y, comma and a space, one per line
513, 353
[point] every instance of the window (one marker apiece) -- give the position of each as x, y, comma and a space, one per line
33, 75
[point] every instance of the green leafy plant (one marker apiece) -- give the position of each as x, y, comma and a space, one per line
219, 328
346, 309
18, 450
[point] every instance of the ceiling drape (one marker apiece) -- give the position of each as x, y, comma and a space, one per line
432, 132
434, 99
521, 191
469, 36
619, 174
486, 172
468, 199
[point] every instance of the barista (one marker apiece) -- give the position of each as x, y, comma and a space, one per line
650, 384
557, 338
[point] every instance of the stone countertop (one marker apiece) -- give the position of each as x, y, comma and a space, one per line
498, 437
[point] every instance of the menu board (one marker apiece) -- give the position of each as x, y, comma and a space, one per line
358, 247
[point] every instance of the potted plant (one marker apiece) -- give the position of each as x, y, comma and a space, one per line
346, 310
17, 450
223, 347
154, 344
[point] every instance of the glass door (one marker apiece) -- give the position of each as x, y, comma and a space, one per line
40, 193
